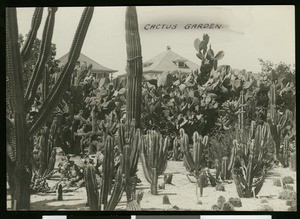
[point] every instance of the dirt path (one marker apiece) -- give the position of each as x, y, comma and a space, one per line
181, 194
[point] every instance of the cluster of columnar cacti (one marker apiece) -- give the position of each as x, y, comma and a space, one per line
107, 178
47, 154
154, 157
130, 144
21, 98
277, 124
250, 162
110, 193
222, 170
134, 66
176, 149
195, 161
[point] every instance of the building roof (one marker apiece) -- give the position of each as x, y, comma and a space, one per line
97, 68
166, 61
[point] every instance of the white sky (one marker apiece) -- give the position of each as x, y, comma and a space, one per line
252, 32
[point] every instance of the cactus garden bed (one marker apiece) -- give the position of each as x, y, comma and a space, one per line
181, 193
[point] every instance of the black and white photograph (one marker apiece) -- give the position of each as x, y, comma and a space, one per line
151, 108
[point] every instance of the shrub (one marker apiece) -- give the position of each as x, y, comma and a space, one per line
220, 187
236, 202
287, 180
277, 182
221, 201
227, 207
287, 194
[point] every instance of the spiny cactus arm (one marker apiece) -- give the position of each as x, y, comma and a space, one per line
259, 183
134, 66
285, 151
45, 83
131, 130
249, 177
224, 168
149, 149
127, 152
43, 147
121, 138
175, 149
233, 154
37, 74
272, 97
252, 130
91, 187
146, 164
239, 187
287, 116
135, 151
10, 139
196, 149
163, 160
107, 170
35, 24
51, 164
14, 71
189, 162
117, 191
59, 89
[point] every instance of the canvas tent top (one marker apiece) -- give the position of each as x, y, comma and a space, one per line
97, 68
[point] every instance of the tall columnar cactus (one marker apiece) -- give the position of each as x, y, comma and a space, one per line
285, 151
154, 157
45, 83
14, 70
21, 99
249, 166
176, 147
241, 113
134, 66
293, 161
225, 173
